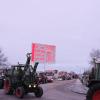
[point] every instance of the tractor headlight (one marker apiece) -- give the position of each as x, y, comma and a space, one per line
34, 86
29, 86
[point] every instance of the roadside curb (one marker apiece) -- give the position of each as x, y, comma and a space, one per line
79, 88
78, 92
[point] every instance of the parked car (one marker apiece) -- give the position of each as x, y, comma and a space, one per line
68, 76
50, 76
42, 78
61, 75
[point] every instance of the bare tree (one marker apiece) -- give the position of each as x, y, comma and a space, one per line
3, 59
95, 54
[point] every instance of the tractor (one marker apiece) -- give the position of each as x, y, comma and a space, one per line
22, 79
94, 82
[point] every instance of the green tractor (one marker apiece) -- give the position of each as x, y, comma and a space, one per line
22, 79
94, 83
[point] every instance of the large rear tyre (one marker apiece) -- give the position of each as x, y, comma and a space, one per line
94, 92
7, 86
19, 92
39, 92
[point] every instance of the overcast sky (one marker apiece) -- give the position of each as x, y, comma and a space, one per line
72, 25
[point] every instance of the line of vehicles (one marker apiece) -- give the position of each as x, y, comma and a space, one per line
51, 75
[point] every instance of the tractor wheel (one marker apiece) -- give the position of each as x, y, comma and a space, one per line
94, 92
7, 86
39, 92
19, 92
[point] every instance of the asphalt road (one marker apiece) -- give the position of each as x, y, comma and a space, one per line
59, 90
